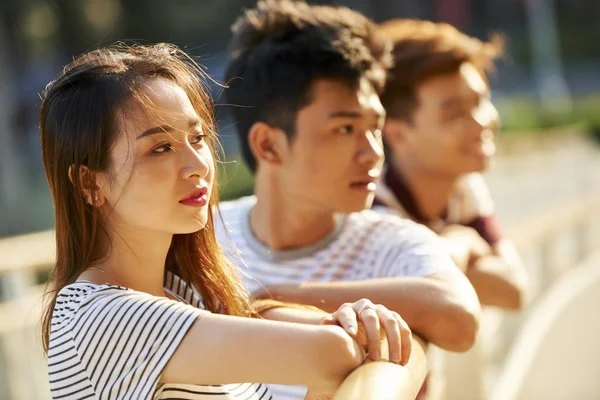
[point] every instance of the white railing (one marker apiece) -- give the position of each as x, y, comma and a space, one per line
551, 243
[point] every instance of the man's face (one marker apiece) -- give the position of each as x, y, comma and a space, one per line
336, 156
452, 129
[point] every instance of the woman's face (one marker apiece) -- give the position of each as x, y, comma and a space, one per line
161, 172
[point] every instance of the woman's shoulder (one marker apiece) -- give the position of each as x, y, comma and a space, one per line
114, 337
73, 297
83, 302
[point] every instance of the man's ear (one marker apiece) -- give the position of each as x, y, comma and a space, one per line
87, 182
267, 143
395, 132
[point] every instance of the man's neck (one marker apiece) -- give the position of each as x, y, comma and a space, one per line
285, 223
431, 192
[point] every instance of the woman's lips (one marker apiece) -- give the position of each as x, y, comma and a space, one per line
197, 198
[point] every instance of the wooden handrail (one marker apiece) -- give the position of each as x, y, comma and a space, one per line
383, 380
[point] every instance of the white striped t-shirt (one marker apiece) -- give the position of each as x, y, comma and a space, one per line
110, 342
363, 245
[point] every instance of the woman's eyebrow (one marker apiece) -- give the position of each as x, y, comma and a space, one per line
166, 128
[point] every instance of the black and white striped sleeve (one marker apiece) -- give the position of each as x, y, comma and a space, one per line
125, 338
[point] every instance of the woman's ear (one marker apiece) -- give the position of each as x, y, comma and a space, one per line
86, 179
267, 143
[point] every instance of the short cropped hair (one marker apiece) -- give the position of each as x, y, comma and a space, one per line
425, 49
281, 47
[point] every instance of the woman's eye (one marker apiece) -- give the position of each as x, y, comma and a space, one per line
198, 139
162, 149
346, 129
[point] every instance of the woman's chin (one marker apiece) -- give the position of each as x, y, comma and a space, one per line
191, 226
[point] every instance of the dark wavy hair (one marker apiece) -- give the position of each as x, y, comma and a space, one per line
281, 47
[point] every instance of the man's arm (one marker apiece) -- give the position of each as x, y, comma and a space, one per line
492, 264
496, 272
442, 308
499, 278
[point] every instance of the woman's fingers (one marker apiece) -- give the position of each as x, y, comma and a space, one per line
392, 331
406, 339
375, 319
345, 317
367, 314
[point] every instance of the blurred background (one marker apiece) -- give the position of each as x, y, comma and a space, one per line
548, 78
546, 181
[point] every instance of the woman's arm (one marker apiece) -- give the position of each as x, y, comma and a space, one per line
222, 349
374, 321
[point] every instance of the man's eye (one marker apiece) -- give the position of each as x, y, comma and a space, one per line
346, 129
198, 139
457, 115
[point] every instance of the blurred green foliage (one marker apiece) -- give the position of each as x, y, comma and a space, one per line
521, 115
235, 179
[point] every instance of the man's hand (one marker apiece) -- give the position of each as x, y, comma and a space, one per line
465, 245
372, 318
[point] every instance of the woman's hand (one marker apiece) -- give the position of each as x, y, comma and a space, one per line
374, 317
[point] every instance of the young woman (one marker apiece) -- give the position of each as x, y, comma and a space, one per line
144, 304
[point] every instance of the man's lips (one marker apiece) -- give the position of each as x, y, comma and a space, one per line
485, 149
369, 184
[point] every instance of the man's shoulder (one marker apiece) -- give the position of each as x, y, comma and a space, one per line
402, 246
237, 205
388, 226
473, 182
229, 217
380, 216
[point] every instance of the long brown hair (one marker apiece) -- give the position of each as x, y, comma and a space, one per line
78, 126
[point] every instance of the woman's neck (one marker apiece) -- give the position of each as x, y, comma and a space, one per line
135, 259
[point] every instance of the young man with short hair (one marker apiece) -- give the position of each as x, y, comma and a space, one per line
439, 137
304, 81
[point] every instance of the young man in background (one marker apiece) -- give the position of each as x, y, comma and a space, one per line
439, 137
304, 83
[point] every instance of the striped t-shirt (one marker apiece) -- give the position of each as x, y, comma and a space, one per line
110, 342
363, 245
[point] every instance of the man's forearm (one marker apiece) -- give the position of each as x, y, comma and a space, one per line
285, 314
497, 282
445, 312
